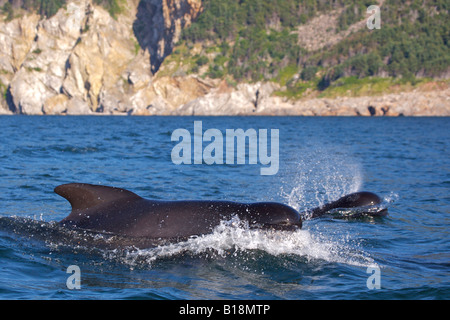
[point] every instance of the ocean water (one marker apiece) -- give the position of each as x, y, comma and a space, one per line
405, 255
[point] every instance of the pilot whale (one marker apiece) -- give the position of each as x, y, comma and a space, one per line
121, 212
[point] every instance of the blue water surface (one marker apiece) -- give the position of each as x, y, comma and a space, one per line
404, 160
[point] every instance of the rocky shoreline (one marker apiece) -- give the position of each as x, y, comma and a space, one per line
261, 101
258, 100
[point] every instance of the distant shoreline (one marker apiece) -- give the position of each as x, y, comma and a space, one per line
435, 103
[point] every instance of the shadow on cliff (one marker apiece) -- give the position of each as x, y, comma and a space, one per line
151, 33
159, 23
10, 102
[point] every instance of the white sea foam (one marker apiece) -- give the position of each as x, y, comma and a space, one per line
236, 237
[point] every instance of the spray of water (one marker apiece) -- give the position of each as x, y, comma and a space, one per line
319, 177
235, 237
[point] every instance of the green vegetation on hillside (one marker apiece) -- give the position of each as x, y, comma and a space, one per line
255, 36
47, 8
257, 40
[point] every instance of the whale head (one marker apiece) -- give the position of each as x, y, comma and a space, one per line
273, 215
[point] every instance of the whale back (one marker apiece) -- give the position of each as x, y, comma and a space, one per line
119, 211
84, 196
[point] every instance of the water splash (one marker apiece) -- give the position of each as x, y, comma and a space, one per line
319, 177
230, 238
235, 237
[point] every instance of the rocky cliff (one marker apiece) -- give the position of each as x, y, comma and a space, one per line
83, 61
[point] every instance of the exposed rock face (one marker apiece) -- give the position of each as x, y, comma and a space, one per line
415, 103
246, 99
16, 38
321, 31
43, 70
257, 99
83, 61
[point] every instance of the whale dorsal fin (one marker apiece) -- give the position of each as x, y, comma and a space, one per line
84, 196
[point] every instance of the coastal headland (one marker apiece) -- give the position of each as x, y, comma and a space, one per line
166, 57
